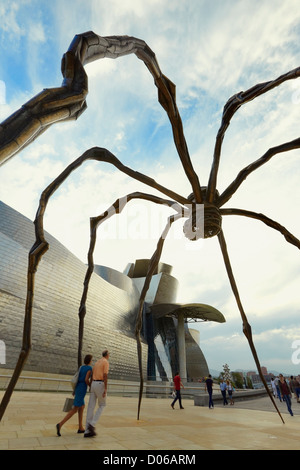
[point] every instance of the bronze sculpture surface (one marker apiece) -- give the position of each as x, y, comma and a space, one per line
68, 102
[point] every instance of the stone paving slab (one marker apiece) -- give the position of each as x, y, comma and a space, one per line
30, 419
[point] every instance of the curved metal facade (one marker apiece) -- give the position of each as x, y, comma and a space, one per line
111, 309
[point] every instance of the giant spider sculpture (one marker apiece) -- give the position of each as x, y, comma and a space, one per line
68, 102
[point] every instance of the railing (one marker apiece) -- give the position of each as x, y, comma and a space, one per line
152, 389
124, 388
37, 383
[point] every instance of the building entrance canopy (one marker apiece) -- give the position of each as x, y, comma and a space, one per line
190, 312
184, 313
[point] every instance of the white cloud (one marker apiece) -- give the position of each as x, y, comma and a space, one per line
9, 23
37, 33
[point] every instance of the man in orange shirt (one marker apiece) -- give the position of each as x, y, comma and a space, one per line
98, 392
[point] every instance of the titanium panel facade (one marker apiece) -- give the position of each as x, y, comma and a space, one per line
58, 289
112, 306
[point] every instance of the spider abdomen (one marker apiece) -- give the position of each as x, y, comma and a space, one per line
212, 220
204, 221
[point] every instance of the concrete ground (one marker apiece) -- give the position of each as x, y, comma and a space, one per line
30, 419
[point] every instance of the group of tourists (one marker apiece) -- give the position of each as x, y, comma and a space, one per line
282, 387
226, 387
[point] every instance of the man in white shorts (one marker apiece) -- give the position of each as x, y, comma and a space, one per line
98, 392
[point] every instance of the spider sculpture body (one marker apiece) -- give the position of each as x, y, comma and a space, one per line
68, 102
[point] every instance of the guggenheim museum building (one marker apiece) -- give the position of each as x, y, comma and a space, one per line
112, 305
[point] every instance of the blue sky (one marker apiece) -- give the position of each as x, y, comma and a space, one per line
210, 50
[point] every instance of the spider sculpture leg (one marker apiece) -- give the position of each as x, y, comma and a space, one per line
35, 254
41, 246
232, 188
68, 101
116, 208
243, 174
95, 222
230, 108
290, 238
151, 269
246, 326
232, 105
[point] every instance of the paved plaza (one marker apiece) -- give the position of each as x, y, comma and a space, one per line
30, 419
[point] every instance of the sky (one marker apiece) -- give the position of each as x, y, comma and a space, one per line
210, 50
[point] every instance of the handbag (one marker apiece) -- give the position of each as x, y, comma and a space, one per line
68, 404
74, 379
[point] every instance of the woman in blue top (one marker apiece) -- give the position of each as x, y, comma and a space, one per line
80, 392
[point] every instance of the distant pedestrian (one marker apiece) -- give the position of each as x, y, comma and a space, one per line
177, 386
223, 388
209, 389
276, 380
274, 387
286, 393
295, 387
230, 391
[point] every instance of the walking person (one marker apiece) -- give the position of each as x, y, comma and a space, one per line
286, 393
80, 392
209, 389
98, 393
230, 391
274, 387
295, 387
177, 386
276, 380
223, 388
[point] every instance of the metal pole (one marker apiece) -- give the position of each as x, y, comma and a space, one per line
181, 347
